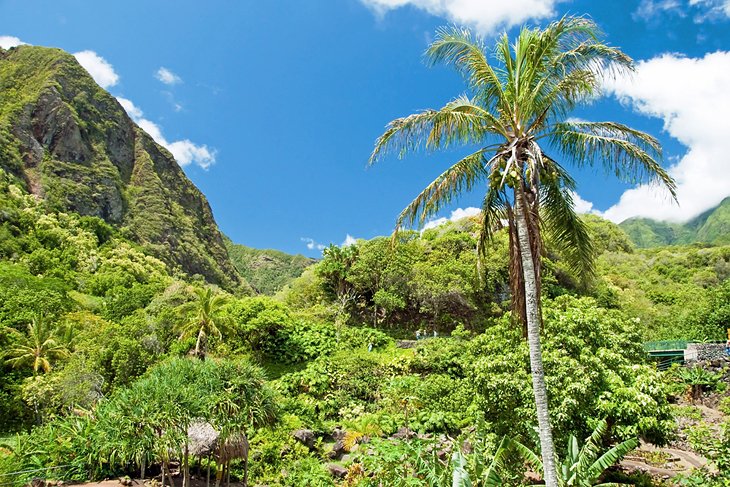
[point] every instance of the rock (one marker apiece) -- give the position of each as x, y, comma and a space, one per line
403, 433
338, 433
338, 449
337, 471
305, 437
37, 482
346, 458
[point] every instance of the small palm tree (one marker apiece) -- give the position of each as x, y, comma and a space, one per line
582, 466
517, 111
487, 476
37, 348
206, 319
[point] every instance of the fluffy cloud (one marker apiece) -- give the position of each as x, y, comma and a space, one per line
6, 42
349, 240
98, 67
457, 214
168, 77
312, 244
690, 95
184, 151
485, 16
582, 206
701, 10
714, 6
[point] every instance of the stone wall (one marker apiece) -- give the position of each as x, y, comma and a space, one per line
704, 351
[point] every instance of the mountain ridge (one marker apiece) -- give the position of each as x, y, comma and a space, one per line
73, 145
710, 227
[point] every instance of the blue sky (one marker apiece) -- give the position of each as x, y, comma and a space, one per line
273, 106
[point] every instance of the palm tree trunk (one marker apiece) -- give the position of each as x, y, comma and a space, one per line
246, 450
198, 343
532, 308
186, 467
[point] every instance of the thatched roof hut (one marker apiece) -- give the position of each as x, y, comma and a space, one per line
202, 439
234, 447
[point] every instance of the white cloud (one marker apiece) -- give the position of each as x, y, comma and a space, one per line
457, 214
184, 151
6, 42
483, 15
714, 7
650, 10
582, 206
460, 213
312, 244
691, 96
98, 67
349, 240
132, 110
701, 10
168, 77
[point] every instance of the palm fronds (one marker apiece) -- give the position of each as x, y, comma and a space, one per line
630, 154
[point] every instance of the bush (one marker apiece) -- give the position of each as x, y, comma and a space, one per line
593, 367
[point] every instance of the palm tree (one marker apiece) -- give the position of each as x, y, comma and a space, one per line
206, 319
516, 111
36, 349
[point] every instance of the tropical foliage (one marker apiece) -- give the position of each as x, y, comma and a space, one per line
324, 383
517, 105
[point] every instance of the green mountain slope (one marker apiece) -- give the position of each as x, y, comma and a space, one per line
712, 226
715, 226
72, 144
268, 271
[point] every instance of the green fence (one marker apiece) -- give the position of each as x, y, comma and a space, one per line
665, 345
666, 352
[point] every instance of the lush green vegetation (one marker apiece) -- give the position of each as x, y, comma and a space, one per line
712, 226
114, 357
120, 326
267, 271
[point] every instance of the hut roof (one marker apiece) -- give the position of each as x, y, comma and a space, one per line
202, 438
235, 446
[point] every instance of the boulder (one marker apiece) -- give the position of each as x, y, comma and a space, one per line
338, 433
337, 471
305, 437
338, 449
403, 433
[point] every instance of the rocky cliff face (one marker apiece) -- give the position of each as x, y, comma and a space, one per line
74, 146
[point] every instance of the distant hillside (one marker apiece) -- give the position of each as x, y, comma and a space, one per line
266, 270
712, 226
73, 145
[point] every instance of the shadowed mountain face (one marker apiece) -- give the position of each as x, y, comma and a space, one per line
73, 145
712, 227
267, 270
